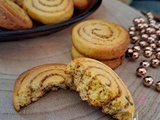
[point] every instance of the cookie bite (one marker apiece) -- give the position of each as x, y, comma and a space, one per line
32, 84
100, 86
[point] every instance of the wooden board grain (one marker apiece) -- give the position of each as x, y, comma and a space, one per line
18, 56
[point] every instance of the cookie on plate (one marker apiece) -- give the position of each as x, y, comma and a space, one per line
49, 11
13, 17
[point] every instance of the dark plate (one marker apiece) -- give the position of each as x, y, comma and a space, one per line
41, 30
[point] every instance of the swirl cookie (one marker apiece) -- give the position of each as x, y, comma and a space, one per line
35, 82
113, 63
101, 40
13, 17
49, 11
100, 86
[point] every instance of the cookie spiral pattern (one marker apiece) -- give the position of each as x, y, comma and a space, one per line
100, 86
99, 39
35, 82
49, 11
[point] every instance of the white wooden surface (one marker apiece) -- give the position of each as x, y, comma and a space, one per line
18, 56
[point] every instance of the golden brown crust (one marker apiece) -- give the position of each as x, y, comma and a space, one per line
94, 82
80, 4
33, 83
100, 39
113, 63
49, 12
13, 17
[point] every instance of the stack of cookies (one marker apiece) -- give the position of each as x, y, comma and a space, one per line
101, 40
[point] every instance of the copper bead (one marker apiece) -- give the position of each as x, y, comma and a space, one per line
158, 43
131, 33
157, 49
158, 86
144, 36
136, 48
158, 55
135, 55
141, 71
151, 40
148, 81
134, 39
132, 28
154, 62
143, 44
129, 52
145, 64
147, 53
153, 45
148, 48
136, 21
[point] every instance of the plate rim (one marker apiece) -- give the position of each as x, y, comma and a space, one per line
20, 33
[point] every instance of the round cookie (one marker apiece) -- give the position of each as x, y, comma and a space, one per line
35, 82
13, 17
113, 63
100, 39
49, 12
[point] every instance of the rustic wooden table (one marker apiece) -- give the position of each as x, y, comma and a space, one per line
18, 56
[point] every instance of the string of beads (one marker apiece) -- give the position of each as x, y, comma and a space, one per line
145, 35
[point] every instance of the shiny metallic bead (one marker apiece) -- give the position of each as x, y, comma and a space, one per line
149, 13
140, 26
147, 53
148, 48
158, 55
141, 71
154, 62
142, 20
136, 48
153, 36
143, 44
148, 81
129, 52
136, 21
153, 45
135, 55
158, 86
157, 49
150, 30
158, 32
144, 36
152, 21
151, 40
153, 25
145, 25
132, 28
150, 17
145, 64
158, 43
156, 26
132, 33
142, 31
134, 39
